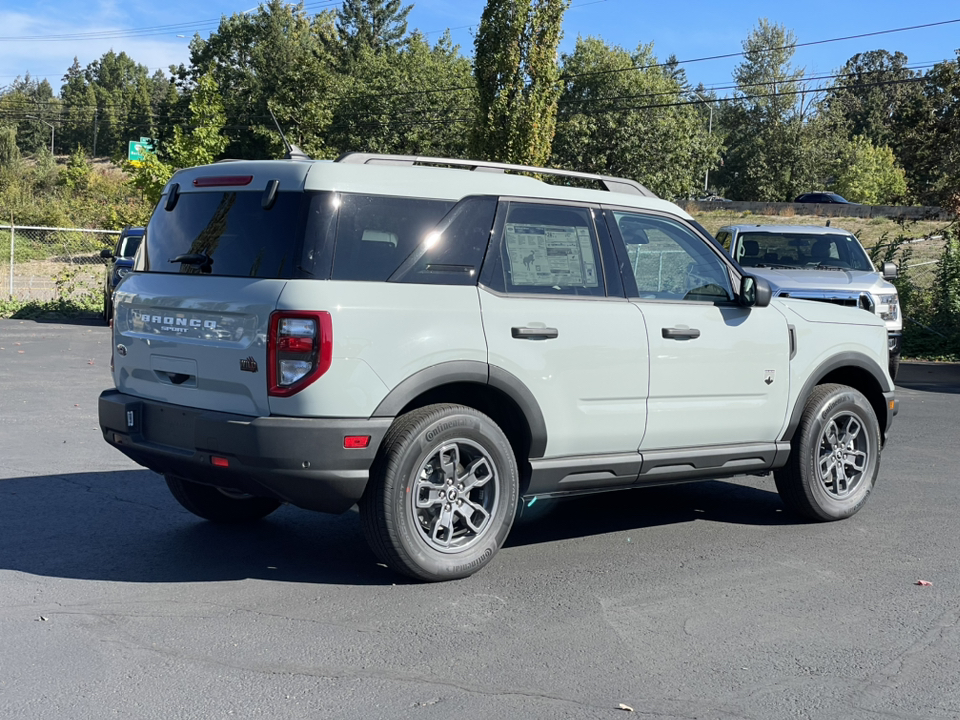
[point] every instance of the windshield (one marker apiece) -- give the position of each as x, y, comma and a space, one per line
801, 250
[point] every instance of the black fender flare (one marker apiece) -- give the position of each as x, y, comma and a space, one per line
837, 362
470, 371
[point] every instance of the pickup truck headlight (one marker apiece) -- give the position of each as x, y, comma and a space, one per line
123, 272
888, 308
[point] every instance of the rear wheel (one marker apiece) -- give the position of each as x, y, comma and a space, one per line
217, 505
442, 493
835, 455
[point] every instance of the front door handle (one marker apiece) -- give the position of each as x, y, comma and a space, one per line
681, 333
534, 333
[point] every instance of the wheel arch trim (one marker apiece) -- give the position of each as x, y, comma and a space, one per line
859, 362
470, 371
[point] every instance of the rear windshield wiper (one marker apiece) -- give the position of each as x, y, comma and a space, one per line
201, 260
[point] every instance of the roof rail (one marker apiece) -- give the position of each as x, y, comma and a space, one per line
611, 184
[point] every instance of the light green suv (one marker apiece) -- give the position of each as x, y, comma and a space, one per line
440, 342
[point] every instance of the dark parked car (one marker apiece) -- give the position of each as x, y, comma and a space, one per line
824, 198
121, 262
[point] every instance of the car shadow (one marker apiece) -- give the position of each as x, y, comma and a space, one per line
716, 501
124, 526
55, 317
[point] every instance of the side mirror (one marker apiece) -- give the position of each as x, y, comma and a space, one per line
754, 292
106, 253
890, 271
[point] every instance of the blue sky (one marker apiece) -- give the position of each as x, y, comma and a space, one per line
156, 33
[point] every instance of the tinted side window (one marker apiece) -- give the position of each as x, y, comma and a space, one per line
452, 252
671, 262
375, 234
232, 229
550, 249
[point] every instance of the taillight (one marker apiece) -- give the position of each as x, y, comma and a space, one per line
299, 350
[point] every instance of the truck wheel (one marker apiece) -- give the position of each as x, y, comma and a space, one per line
835, 455
219, 506
894, 365
442, 493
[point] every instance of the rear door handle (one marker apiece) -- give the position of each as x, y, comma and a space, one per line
680, 333
534, 333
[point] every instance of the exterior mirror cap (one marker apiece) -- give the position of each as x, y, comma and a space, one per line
106, 253
754, 291
890, 271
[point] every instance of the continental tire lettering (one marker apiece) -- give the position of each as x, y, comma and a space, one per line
839, 400
448, 425
473, 564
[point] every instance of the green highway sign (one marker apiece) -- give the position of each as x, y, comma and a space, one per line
137, 149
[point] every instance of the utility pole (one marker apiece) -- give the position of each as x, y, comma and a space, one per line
50, 125
706, 174
96, 117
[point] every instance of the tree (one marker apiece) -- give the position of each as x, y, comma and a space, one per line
122, 103
772, 153
204, 142
376, 25
276, 58
79, 106
517, 80
621, 114
870, 92
416, 101
869, 174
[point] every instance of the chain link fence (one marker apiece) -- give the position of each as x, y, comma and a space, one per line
45, 264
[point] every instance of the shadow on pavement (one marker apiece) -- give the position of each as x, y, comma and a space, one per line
126, 527
716, 501
930, 377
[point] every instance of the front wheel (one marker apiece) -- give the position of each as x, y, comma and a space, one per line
219, 506
442, 493
835, 455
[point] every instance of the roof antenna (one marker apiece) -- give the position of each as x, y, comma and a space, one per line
293, 152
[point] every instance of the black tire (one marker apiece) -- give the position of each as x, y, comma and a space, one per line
835, 455
217, 505
421, 513
107, 311
894, 365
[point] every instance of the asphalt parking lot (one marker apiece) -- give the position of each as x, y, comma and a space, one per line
697, 601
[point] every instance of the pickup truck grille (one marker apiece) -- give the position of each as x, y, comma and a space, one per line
861, 300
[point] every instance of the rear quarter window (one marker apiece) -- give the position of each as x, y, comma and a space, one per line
376, 234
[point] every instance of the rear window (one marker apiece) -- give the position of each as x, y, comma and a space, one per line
232, 230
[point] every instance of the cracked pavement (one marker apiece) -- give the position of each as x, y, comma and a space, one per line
697, 601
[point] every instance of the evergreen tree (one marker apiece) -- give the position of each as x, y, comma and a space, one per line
377, 25
518, 83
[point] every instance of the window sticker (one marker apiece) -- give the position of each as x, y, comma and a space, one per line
550, 255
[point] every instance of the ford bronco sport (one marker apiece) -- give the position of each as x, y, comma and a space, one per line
440, 346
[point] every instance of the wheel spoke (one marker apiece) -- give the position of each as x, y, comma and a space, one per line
434, 494
449, 461
443, 527
857, 460
477, 475
851, 432
469, 511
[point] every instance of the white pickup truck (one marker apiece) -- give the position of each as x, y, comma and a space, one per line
813, 262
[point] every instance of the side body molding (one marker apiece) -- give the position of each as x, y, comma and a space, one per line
476, 373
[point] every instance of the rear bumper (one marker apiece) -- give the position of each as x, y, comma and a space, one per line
297, 460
